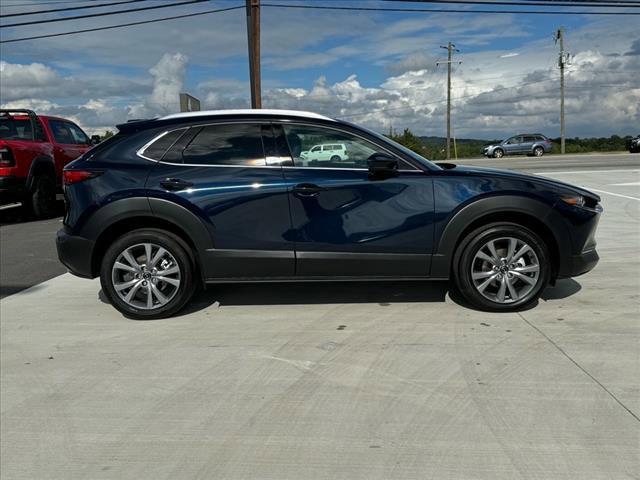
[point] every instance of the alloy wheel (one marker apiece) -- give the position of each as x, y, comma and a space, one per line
505, 270
146, 276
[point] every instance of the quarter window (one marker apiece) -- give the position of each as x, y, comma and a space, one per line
315, 147
157, 149
229, 144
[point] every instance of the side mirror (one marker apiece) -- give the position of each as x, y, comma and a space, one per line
382, 166
95, 139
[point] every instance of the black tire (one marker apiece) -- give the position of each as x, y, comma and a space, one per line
538, 151
335, 158
498, 153
474, 241
176, 247
41, 201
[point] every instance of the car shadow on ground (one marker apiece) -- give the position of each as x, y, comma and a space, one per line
19, 214
384, 293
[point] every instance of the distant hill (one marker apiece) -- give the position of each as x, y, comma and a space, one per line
443, 140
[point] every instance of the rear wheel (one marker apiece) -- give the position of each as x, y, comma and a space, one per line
538, 151
42, 198
335, 158
147, 274
502, 267
498, 153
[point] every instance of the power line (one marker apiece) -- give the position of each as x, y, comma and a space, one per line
51, 2
104, 14
444, 10
545, 3
86, 30
65, 9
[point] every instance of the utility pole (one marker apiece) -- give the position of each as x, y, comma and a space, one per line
562, 60
253, 39
450, 49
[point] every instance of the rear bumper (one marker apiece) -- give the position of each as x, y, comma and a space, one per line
12, 189
75, 253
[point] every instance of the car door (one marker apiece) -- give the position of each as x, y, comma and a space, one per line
527, 144
347, 224
220, 173
65, 146
511, 146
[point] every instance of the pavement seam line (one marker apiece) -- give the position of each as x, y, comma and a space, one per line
619, 402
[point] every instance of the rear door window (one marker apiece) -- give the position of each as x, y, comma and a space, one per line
227, 144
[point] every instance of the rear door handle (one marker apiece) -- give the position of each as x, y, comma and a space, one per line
175, 184
307, 190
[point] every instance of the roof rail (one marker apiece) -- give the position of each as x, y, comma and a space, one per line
7, 111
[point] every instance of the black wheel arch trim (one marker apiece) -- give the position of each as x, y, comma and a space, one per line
38, 162
445, 251
154, 209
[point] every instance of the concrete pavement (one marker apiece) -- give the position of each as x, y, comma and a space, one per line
318, 381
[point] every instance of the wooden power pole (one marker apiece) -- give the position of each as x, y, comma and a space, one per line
253, 38
562, 61
450, 49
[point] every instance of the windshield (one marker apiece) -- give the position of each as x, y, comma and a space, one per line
419, 158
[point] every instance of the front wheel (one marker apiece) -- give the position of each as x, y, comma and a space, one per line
147, 274
498, 153
502, 267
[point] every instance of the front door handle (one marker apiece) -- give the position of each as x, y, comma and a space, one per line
307, 190
175, 184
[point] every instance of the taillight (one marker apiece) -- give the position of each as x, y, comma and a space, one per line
69, 177
6, 157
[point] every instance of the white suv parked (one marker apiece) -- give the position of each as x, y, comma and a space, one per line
334, 152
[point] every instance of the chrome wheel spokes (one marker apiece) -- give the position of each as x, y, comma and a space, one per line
146, 276
505, 270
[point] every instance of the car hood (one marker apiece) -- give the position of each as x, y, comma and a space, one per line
540, 180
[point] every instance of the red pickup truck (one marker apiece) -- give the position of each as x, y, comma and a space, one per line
33, 151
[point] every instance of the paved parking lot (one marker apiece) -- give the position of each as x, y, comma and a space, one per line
389, 381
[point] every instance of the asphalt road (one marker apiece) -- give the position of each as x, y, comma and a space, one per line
28, 254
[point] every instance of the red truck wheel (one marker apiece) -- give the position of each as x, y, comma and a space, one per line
43, 196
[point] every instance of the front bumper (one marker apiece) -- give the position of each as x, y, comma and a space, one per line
75, 253
582, 263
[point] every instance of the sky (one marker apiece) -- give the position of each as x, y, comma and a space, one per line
373, 68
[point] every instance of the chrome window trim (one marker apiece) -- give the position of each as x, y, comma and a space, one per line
140, 151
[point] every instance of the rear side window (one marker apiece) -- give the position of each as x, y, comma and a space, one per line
230, 144
157, 149
529, 139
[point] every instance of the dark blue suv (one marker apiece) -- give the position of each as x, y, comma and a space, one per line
244, 196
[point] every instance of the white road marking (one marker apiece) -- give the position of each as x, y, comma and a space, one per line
630, 184
614, 194
551, 172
